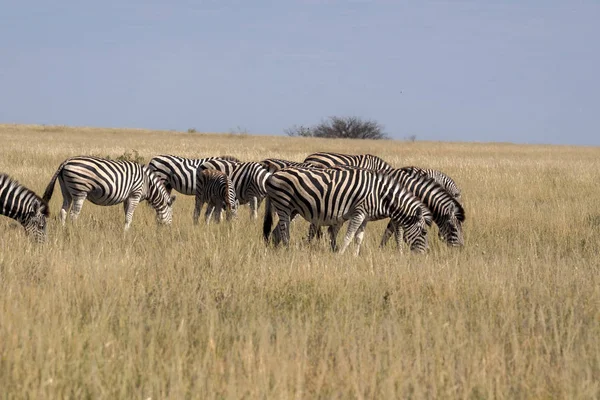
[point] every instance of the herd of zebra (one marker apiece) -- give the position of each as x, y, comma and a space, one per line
326, 189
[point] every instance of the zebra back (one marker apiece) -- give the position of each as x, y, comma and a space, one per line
327, 160
275, 164
24, 206
447, 183
176, 172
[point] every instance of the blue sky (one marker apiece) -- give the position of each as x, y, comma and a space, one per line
502, 71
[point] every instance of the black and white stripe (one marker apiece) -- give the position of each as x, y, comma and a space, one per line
215, 188
448, 213
327, 160
248, 180
275, 164
179, 173
332, 196
109, 182
24, 206
438, 176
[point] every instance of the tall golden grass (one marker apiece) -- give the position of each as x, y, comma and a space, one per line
210, 312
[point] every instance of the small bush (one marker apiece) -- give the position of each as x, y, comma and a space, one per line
191, 130
342, 128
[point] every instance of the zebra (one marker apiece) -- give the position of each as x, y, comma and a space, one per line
215, 188
275, 164
448, 213
179, 173
332, 196
248, 180
109, 182
440, 177
367, 161
24, 206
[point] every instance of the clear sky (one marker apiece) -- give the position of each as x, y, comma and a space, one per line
503, 71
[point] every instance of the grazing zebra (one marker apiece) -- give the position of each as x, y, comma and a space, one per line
332, 196
215, 188
367, 161
24, 206
109, 182
448, 213
179, 173
438, 176
275, 164
248, 180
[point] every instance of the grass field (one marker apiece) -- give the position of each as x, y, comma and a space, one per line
210, 312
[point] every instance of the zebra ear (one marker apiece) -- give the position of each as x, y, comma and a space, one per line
172, 200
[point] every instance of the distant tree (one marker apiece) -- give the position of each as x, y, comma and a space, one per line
342, 128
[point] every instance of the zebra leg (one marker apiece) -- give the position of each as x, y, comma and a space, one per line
355, 223
389, 229
67, 201
197, 209
282, 230
398, 233
76, 208
218, 213
396, 230
129, 206
333, 232
253, 207
359, 236
209, 210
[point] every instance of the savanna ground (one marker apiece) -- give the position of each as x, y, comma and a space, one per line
210, 312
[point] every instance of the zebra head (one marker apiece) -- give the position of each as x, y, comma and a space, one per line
159, 198
34, 221
415, 232
451, 227
231, 202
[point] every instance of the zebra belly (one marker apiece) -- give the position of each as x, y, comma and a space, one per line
102, 198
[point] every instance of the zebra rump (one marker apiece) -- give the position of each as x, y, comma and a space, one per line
24, 206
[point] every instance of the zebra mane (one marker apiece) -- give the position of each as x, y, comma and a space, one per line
6, 180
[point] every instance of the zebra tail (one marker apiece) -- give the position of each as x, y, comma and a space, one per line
268, 221
50, 188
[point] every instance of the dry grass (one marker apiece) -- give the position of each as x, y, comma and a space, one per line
190, 312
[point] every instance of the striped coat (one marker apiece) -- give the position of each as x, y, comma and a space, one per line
331, 197
248, 180
24, 206
438, 176
215, 188
179, 173
109, 182
327, 160
448, 213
